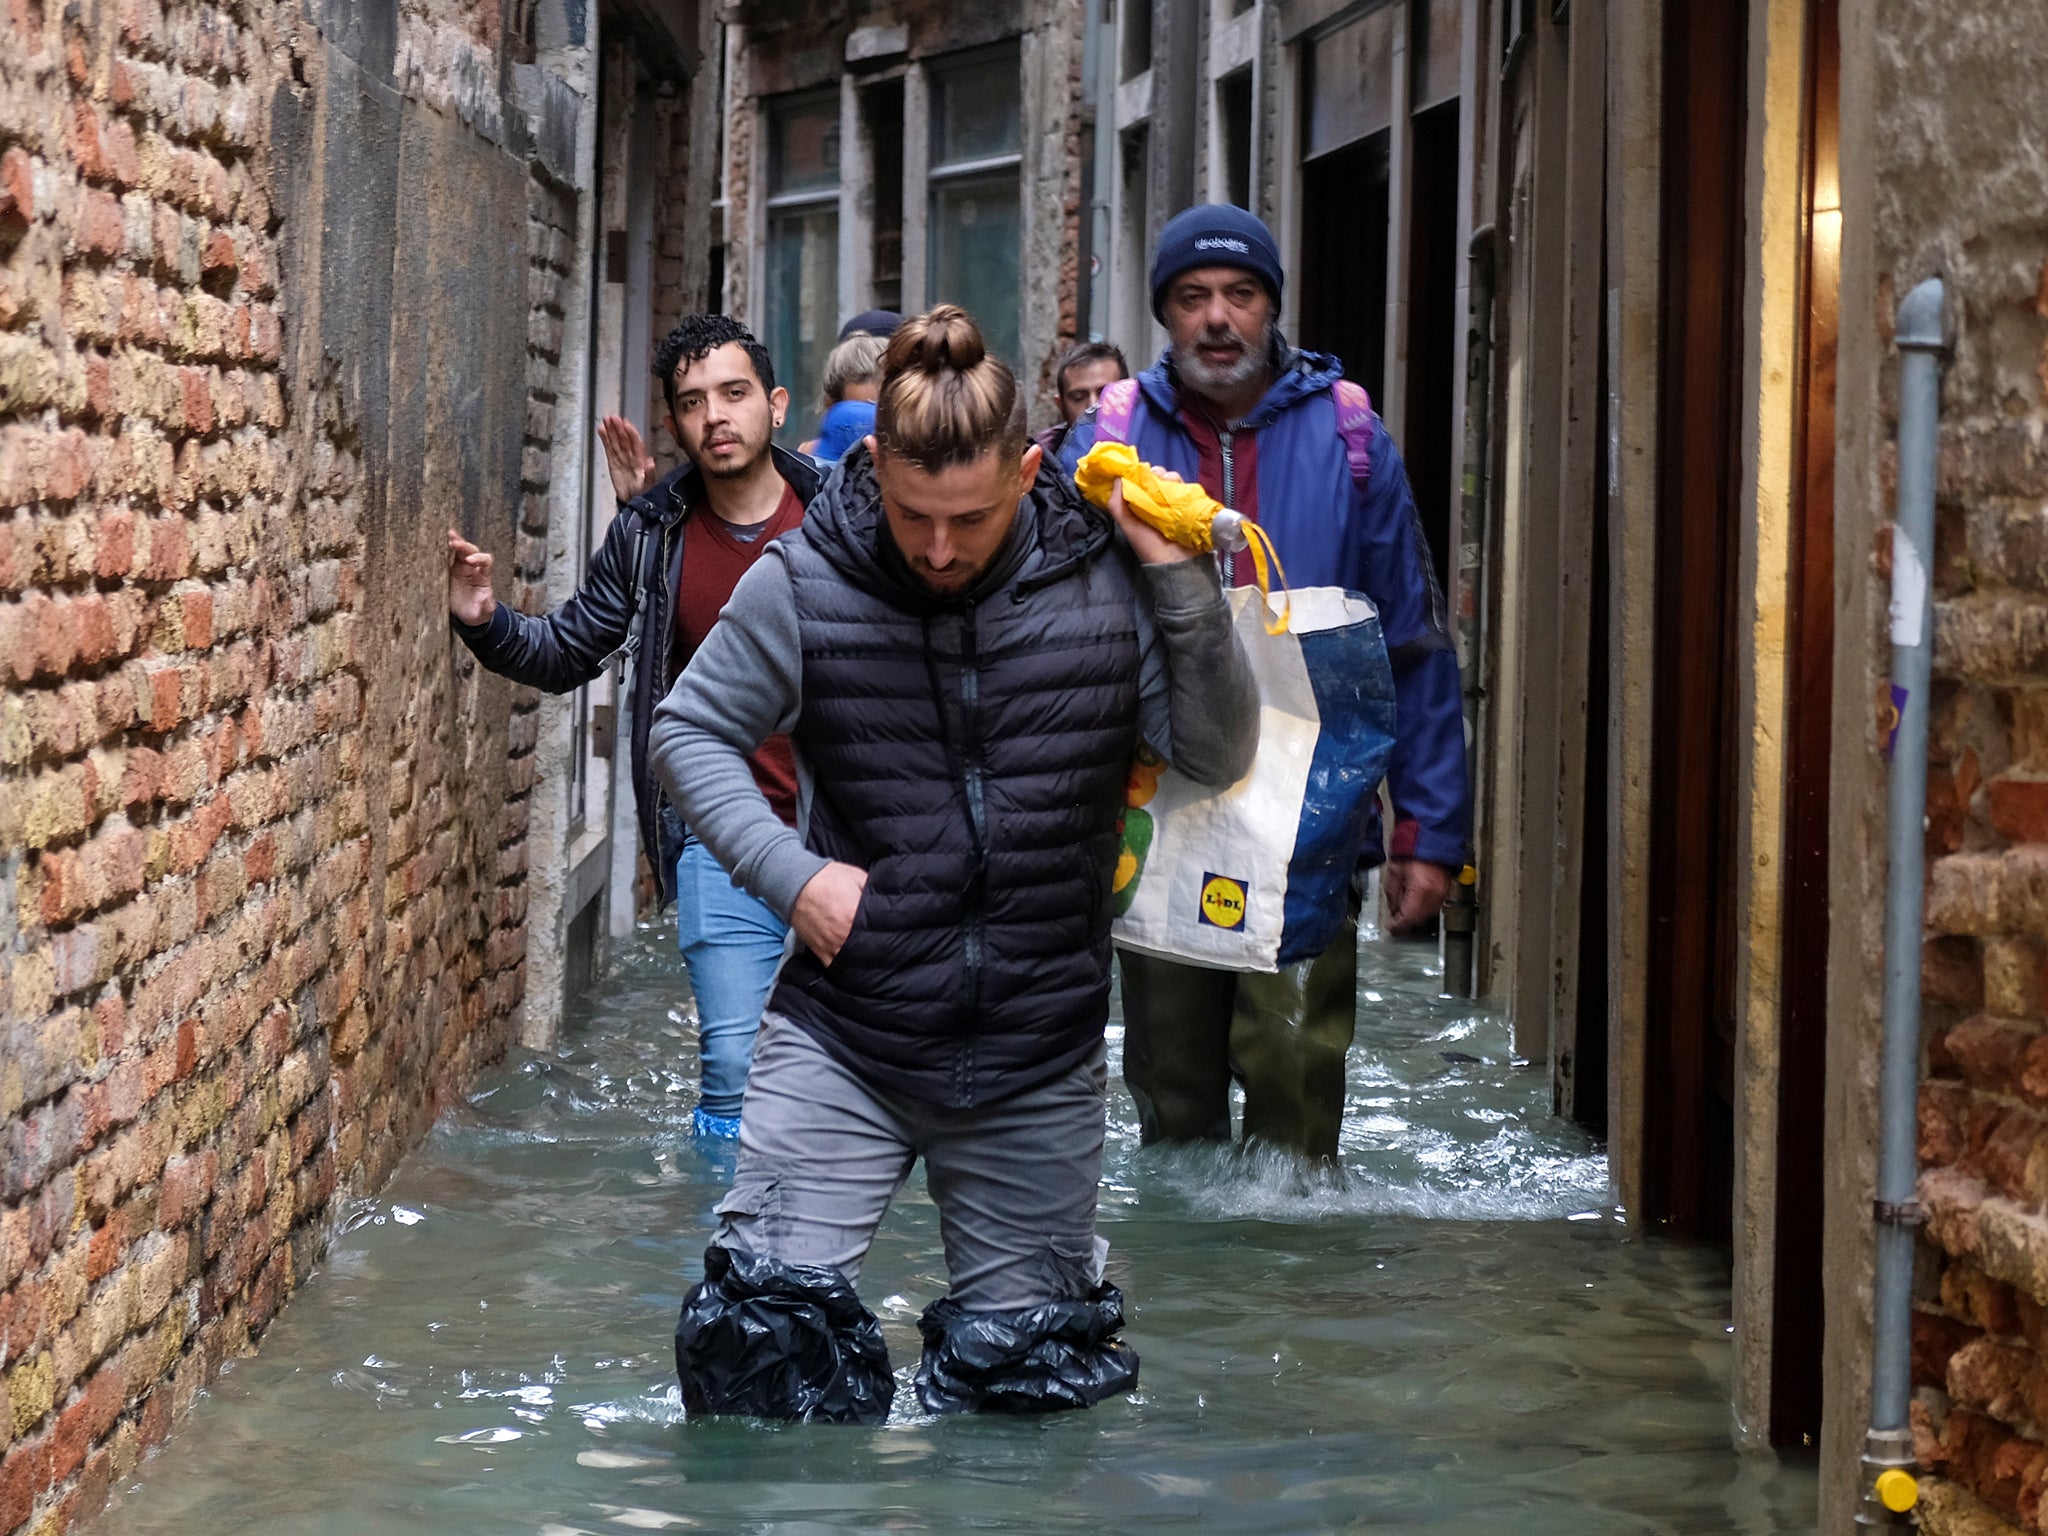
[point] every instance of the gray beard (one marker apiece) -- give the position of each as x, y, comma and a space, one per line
1205, 380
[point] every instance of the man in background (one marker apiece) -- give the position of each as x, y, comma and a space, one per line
1083, 372
668, 564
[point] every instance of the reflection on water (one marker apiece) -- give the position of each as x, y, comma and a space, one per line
1454, 1334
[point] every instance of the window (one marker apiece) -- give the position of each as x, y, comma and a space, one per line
1234, 136
803, 245
975, 219
1129, 291
1514, 26
881, 108
1137, 39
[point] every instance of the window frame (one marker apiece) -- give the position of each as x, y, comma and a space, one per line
939, 174
794, 369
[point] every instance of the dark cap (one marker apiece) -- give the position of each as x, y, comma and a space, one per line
875, 322
1214, 235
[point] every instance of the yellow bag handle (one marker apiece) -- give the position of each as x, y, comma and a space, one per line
1184, 513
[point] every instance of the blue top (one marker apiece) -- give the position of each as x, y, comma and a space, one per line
844, 423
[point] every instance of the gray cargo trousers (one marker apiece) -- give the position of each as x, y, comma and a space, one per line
822, 1154
776, 1330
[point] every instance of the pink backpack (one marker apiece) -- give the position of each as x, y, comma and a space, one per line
1119, 402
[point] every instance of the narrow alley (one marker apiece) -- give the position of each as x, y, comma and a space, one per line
1675, 376
1457, 1336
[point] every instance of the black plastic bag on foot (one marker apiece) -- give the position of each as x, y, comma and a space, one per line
1060, 1354
780, 1341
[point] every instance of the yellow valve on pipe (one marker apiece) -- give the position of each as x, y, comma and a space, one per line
1898, 1491
1184, 513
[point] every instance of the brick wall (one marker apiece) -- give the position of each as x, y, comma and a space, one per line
1070, 118
682, 255
261, 826
1960, 195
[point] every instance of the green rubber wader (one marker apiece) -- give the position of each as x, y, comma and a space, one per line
1188, 1031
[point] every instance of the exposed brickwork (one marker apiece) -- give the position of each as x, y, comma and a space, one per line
1981, 1336
260, 910
679, 272
1075, 145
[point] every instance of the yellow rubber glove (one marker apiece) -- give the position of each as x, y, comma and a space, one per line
1182, 512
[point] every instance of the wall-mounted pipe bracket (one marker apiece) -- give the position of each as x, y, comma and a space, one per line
1899, 1213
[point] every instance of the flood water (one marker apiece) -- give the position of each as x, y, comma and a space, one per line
1462, 1337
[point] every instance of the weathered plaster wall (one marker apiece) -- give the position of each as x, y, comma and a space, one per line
1942, 175
261, 824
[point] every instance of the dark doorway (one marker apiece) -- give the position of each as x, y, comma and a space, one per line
1344, 258
1796, 1301
881, 108
1587, 1080
1689, 1118
1434, 263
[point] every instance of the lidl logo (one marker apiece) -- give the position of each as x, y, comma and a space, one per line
1222, 901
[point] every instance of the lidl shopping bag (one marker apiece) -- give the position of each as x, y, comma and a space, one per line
1254, 877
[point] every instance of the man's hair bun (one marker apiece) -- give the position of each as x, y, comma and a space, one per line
941, 340
944, 400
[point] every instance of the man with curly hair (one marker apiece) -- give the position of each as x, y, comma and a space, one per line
668, 564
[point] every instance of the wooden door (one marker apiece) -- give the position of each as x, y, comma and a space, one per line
1688, 1143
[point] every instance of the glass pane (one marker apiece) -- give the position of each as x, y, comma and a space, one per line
803, 308
1137, 40
803, 144
974, 111
1234, 120
882, 122
1351, 81
974, 239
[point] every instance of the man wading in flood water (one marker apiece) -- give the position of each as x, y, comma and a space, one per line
1278, 435
669, 561
965, 655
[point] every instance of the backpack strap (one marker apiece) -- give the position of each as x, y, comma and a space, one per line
1114, 409
1354, 425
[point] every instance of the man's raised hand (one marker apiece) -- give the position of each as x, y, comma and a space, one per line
626, 455
469, 581
825, 907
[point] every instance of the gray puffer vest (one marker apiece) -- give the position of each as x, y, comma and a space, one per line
970, 754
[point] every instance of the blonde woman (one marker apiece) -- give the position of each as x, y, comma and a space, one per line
853, 377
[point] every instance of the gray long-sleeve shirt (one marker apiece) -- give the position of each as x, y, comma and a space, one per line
1197, 706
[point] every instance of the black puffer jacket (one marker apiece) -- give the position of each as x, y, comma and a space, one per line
633, 579
970, 754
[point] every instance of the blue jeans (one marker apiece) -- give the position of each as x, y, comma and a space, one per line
732, 945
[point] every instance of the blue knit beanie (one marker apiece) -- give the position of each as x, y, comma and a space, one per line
1214, 235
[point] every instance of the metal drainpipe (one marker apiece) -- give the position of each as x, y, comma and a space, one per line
1889, 1489
1461, 912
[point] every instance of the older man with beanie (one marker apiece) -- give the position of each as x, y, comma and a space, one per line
1280, 435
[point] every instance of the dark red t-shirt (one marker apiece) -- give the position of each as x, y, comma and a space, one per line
715, 557
1207, 434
